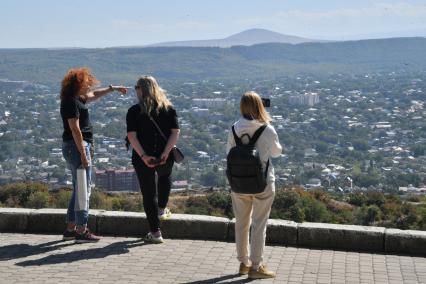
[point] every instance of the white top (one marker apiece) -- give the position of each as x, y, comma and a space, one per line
267, 145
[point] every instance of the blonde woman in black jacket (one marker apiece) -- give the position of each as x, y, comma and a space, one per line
151, 152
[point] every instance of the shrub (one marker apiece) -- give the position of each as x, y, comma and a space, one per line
126, 203
366, 215
221, 201
38, 199
99, 200
197, 210
197, 205
414, 198
409, 218
296, 214
62, 198
315, 211
344, 216
375, 198
360, 215
285, 199
422, 220
321, 195
17, 194
373, 214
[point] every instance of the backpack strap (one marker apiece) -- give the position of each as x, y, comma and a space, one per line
256, 135
266, 170
236, 138
253, 140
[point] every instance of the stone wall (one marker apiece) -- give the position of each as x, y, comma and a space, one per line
279, 232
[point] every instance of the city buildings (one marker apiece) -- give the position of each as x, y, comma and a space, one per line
309, 99
116, 180
207, 103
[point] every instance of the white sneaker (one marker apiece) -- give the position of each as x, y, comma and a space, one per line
166, 214
150, 238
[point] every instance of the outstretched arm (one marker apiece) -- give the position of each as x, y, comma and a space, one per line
98, 93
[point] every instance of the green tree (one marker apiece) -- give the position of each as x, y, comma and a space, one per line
210, 178
321, 147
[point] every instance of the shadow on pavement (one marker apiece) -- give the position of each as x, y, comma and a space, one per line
68, 257
221, 279
23, 250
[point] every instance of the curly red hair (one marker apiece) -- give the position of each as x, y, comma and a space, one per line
75, 80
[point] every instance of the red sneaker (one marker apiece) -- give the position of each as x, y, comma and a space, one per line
69, 235
86, 237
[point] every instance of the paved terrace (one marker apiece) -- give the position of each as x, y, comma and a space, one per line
29, 258
200, 249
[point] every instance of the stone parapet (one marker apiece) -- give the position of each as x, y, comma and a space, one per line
405, 241
347, 237
182, 226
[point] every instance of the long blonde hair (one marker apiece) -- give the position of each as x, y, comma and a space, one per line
251, 106
153, 96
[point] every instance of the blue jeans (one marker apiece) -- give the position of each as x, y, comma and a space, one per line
72, 157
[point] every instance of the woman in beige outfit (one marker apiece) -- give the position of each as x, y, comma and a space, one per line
253, 209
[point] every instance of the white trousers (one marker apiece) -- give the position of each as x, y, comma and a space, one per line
252, 209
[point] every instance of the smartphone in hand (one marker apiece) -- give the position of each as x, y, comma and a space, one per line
155, 161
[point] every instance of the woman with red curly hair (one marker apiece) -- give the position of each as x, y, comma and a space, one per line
77, 138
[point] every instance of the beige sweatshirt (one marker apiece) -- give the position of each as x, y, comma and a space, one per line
267, 145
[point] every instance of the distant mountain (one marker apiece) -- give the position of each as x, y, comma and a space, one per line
247, 38
269, 60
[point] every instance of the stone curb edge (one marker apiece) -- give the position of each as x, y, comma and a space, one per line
279, 232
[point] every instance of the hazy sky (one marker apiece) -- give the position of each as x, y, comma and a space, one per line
103, 23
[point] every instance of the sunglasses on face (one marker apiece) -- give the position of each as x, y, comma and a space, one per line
137, 87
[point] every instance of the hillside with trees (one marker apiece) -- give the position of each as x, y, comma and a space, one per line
197, 63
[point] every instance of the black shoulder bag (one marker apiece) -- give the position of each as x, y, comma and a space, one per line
177, 154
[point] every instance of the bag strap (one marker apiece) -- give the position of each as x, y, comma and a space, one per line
158, 128
236, 138
266, 170
256, 135
253, 141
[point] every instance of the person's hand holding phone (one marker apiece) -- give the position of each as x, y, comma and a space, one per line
148, 161
155, 161
163, 158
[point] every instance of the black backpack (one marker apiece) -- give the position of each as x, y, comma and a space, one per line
244, 168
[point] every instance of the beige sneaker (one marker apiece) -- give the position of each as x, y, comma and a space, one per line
243, 269
261, 273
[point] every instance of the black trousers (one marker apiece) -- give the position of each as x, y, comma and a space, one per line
151, 189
